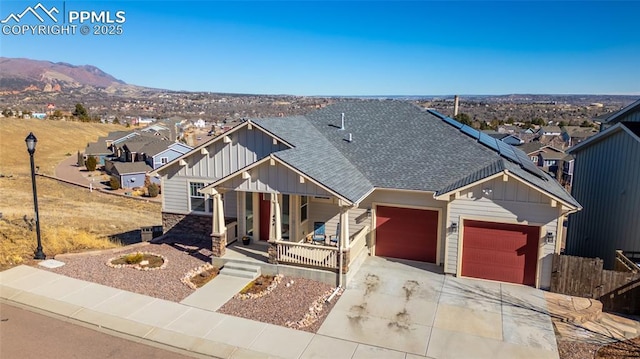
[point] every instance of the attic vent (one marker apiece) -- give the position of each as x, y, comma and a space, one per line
342, 123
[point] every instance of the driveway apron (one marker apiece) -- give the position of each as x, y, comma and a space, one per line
413, 307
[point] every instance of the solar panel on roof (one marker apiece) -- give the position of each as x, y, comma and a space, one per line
453, 122
488, 141
470, 131
507, 151
527, 165
436, 113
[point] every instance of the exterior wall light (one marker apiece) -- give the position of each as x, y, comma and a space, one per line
454, 227
548, 238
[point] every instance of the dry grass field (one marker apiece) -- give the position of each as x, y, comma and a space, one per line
71, 218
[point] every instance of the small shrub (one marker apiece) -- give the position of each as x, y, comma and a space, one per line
91, 163
133, 258
153, 190
114, 183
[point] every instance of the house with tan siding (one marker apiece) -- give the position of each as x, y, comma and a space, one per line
369, 178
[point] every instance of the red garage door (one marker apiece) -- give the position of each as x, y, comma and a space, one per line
406, 233
498, 251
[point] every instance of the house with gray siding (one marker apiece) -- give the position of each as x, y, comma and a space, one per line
130, 174
606, 181
381, 178
159, 154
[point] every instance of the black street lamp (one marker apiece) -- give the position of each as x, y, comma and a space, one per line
31, 148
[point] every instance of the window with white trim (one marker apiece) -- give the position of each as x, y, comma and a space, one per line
197, 202
304, 208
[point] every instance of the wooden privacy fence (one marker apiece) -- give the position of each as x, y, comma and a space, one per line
585, 277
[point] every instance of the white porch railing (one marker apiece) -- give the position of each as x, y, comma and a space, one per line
232, 231
307, 254
358, 243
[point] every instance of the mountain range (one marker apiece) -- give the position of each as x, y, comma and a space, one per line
25, 75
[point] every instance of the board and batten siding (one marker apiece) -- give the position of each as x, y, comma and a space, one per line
505, 202
607, 184
329, 213
274, 178
246, 147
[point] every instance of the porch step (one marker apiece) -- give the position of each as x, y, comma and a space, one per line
242, 270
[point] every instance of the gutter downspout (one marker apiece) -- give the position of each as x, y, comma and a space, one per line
339, 287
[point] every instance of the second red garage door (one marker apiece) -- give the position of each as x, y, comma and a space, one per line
406, 233
498, 251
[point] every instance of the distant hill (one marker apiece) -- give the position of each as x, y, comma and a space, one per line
20, 75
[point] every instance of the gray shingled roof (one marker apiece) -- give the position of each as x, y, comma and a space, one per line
399, 145
97, 148
316, 157
116, 135
530, 147
394, 145
131, 167
155, 147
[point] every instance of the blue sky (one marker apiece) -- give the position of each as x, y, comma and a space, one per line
356, 47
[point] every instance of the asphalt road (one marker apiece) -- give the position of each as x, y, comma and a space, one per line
26, 335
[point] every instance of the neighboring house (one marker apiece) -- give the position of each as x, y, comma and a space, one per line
98, 150
607, 182
117, 137
389, 178
130, 174
549, 159
532, 149
572, 135
610, 119
159, 154
511, 129
550, 131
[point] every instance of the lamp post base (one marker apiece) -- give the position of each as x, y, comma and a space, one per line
39, 254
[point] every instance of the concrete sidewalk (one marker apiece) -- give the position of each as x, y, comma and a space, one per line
177, 325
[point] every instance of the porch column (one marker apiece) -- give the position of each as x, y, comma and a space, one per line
344, 226
241, 210
219, 229
275, 232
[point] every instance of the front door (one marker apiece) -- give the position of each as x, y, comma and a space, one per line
265, 216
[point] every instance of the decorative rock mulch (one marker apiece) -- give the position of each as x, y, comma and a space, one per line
315, 311
194, 272
138, 266
274, 283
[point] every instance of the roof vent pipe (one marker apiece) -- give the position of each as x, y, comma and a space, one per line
342, 122
350, 138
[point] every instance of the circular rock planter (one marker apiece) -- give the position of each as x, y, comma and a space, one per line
144, 261
259, 287
200, 276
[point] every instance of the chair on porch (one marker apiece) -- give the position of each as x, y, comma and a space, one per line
334, 239
319, 236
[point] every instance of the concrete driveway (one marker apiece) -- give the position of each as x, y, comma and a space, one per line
414, 308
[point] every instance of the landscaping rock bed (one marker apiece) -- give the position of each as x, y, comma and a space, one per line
163, 284
144, 261
295, 302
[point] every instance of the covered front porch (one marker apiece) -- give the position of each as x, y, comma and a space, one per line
289, 216
308, 231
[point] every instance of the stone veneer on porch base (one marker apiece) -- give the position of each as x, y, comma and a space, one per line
218, 244
191, 226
